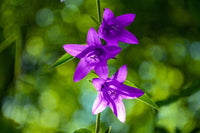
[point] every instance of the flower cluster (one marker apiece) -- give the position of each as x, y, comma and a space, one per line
94, 56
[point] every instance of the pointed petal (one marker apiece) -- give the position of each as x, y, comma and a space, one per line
100, 31
75, 49
102, 70
93, 38
98, 82
99, 104
121, 74
82, 70
108, 14
129, 92
125, 19
119, 109
128, 37
112, 51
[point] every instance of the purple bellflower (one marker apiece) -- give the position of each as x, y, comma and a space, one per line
112, 28
94, 55
111, 91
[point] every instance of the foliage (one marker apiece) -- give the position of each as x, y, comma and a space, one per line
165, 65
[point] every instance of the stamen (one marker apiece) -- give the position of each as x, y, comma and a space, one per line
93, 57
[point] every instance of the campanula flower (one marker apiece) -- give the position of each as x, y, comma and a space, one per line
112, 28
94, 55
111, 91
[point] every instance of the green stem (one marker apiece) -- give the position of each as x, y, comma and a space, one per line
98, 11
98, 123
18, 49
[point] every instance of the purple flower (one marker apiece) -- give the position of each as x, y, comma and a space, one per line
94, 55
112, 28
111, 91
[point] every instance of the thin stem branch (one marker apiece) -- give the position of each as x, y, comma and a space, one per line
98, 11
98, 123
109, 129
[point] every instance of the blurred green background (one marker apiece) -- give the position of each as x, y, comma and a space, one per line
165, 64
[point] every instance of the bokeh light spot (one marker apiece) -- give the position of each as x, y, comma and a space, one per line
194, 101
54, 34
49, 100
74, 2
147, 70
44, 17
175, 79
70, 14
179, 49
158, 53
34, 46
173, 116
49, 119
194, 51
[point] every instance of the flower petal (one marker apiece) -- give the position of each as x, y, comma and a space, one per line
111, 41
82, 70
102, 70
129, 92
100, 31
99, 104
121, 74
125, 19
128, 37
108, 14
98, 82
75, 49
112, 51
93, 38
119, 109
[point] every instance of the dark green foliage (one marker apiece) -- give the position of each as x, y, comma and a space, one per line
83, 130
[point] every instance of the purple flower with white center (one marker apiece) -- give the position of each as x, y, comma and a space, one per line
112, 28
94, 55
111, 91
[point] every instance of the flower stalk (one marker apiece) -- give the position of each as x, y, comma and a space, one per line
98, 123
98, 120
98, 11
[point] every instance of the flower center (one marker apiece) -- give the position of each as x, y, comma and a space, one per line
112, 94
111, 28
110, 90
95, 56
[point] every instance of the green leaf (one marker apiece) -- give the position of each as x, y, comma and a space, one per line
144, 98
95, 20
129, 83
108, 130
66, 57
83, 130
